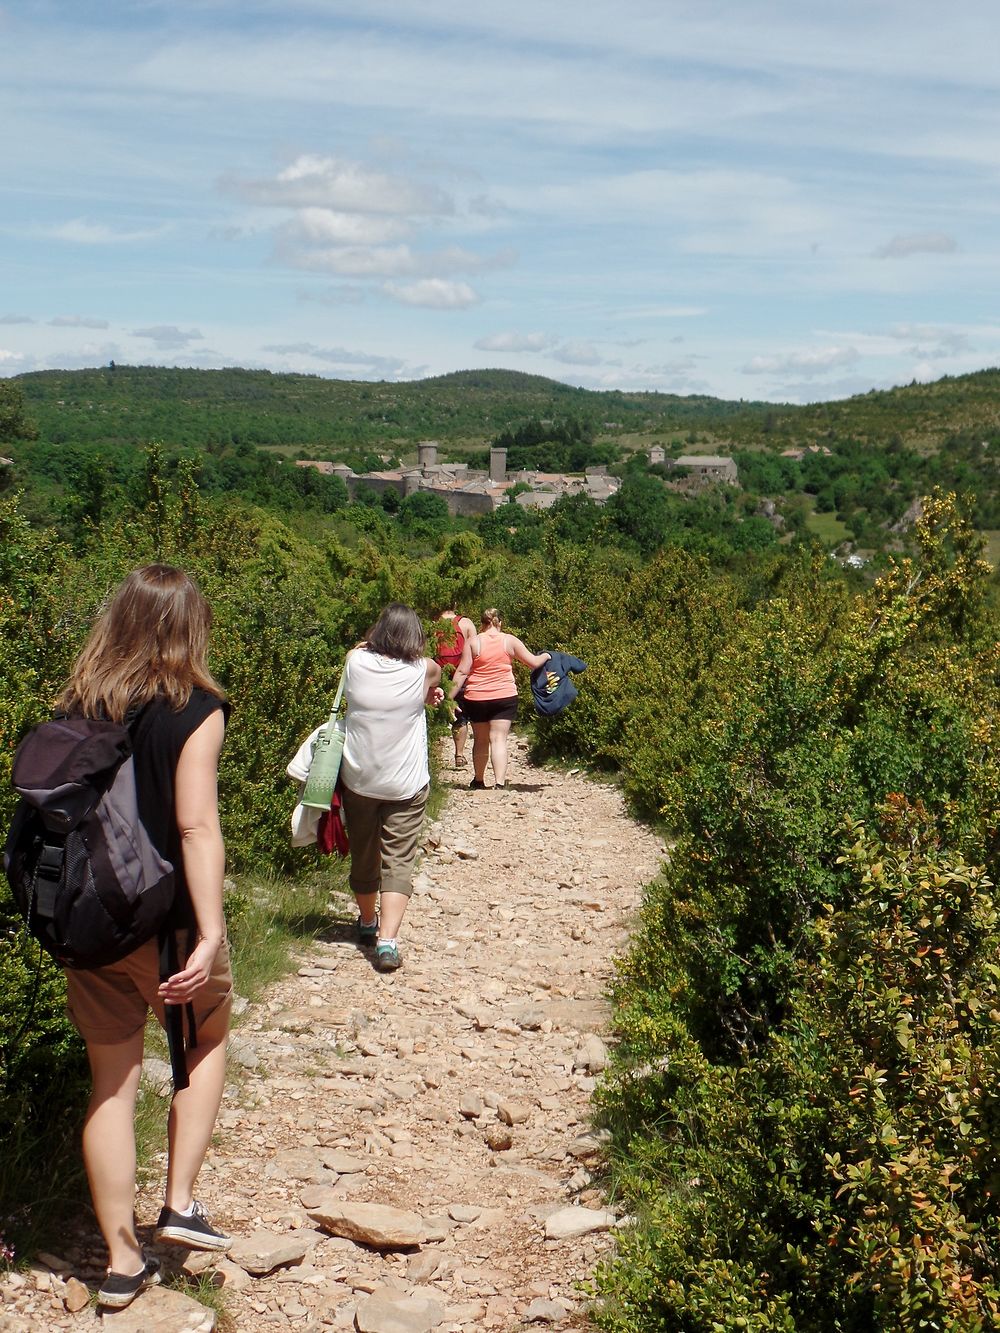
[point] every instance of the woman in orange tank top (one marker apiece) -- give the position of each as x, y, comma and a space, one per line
485, 674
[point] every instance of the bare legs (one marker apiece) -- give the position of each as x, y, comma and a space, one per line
489, 742
499, 731
460, 735
109, 1131
109, 1147
480, 749
193, 1111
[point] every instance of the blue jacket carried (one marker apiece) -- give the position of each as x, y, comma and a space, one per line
551, 684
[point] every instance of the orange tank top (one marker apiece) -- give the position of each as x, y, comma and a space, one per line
492, 676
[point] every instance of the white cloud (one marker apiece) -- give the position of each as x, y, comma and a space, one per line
16, 319
342, 186
578, 353
77, 322
168, 336
515, 342
433, 293
815, 362
924, 243
355, 261
324, 226
9, 358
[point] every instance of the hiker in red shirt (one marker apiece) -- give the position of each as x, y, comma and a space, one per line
452, 636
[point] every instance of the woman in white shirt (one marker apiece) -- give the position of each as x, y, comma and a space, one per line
388, 681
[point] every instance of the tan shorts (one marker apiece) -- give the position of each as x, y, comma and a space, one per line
109, 1004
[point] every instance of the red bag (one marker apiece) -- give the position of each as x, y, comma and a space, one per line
331, 836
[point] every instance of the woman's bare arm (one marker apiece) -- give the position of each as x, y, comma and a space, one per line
517, 649
464, 667
196, 804
433, 693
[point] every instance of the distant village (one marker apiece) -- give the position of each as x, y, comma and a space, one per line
469, 492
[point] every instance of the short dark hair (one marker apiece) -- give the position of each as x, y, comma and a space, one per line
398, 633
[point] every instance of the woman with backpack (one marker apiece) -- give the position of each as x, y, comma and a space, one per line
144, 665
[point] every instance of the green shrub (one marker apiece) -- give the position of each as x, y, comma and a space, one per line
844, 1179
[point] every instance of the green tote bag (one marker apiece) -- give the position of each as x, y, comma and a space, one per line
325, 766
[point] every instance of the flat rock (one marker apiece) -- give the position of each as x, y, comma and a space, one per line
342, 1162
233, 1277
394, 1312
575, 1221
514, 1113
544, 1312
527, 1017
161, 1310
303, 1165
423, 1265
471, 1105
265, 1251
366, 1223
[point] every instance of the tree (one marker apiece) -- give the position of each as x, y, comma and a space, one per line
14, 423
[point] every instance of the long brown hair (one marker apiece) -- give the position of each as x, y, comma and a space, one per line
150, 639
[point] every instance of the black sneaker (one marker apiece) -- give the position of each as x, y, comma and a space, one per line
117, 1290
476, 785
196, 1232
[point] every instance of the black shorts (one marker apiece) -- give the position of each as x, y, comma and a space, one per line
490, 710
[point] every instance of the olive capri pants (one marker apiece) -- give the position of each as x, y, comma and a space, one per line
384, 836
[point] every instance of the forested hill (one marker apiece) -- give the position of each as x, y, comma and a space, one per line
134, 404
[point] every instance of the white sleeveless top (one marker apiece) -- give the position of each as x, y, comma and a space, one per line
385, 744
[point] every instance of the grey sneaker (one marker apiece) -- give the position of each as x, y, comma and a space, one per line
196, 1231
118, 1290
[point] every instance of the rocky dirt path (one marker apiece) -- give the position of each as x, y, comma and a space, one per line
452, 1095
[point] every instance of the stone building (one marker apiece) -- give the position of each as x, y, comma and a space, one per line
470, 493
708, 468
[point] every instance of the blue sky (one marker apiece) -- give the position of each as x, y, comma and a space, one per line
771, 200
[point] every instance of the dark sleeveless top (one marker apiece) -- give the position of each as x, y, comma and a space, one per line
159, 736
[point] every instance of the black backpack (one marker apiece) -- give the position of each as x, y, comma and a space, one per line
82, 868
